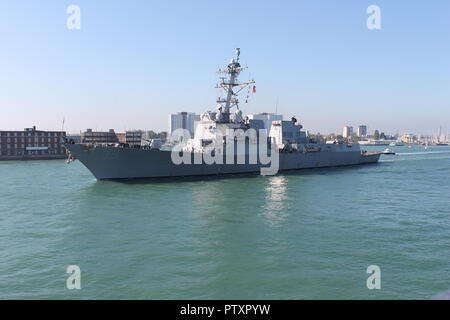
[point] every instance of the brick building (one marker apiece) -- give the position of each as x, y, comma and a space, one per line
32, 144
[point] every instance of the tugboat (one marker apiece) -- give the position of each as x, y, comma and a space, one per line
388, 151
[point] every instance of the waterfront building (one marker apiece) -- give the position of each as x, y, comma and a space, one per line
133, 138
121, 136
267, 118
362, 131
183, 120
32, 144
347, 132
74, 137
408, 138
149, 135
90, 136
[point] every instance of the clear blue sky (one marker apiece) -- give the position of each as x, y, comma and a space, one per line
134, 62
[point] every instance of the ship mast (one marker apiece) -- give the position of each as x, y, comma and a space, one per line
232, 87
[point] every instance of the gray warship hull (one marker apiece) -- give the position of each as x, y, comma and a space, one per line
108, 162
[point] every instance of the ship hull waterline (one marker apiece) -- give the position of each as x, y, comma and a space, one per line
111, 163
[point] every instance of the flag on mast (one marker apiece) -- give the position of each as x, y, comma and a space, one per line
254, 89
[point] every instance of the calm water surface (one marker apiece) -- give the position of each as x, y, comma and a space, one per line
303, 235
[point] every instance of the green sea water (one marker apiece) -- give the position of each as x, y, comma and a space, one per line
309, 234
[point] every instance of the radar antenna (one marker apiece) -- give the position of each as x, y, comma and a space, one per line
232, 87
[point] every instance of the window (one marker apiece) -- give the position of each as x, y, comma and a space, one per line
206, 142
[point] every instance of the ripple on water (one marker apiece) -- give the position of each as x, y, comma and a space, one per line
306, 234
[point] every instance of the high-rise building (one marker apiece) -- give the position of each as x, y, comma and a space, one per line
347, 132
362, 131
32, 144
183, 120
267, 118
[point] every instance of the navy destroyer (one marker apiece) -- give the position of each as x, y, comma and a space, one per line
224, 142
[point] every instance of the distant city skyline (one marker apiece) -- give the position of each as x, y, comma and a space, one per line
132, 64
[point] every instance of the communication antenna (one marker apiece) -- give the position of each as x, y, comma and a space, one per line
231, 86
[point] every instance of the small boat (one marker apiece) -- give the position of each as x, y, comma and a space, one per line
396, 144
388, 152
